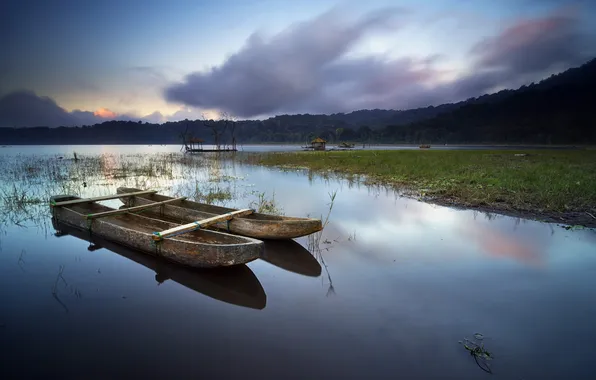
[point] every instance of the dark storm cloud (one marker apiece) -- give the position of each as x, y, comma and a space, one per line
26, 109
532, 45
277, 74
304, 68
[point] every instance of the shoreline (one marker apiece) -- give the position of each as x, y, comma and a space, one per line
356, 148
554, 186
583, 219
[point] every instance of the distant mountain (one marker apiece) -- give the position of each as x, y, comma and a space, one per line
557, 110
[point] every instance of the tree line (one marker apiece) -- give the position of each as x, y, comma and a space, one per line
557, 110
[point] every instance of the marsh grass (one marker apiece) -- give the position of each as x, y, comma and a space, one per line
538, 181
29, 181
266, 205
211, 192
314, 242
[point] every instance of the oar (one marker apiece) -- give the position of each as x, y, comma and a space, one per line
131, 209
104, 198
157, 236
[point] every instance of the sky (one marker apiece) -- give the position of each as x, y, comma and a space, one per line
67, 62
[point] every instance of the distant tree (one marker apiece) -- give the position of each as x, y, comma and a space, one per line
365, 133
338, 133
230, 122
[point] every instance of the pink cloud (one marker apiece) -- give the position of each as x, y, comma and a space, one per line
105, 113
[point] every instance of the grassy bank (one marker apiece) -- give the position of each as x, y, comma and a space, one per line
550, 185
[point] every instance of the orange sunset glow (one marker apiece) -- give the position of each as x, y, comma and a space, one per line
105, 113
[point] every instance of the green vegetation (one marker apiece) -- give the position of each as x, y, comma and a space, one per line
265, 205
546, 183
29, 181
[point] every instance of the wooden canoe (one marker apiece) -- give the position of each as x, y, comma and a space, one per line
235, 285
256, 225
200, 248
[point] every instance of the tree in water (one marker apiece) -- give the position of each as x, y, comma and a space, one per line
217, 129
230, 123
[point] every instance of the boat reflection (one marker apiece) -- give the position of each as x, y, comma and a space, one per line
236, 285
291, 256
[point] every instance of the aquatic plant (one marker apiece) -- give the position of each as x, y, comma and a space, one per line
266, 205
478, 351
314, 243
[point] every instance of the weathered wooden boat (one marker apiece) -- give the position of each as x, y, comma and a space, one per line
235, 285
194, 246
255, 225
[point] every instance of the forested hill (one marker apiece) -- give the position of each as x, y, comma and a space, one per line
558, 110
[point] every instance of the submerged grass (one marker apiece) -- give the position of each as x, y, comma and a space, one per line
28, 182
535, 181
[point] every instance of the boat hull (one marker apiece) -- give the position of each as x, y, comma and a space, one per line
256, 225
198, 249
235, 285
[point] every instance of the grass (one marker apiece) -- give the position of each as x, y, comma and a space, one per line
211, 193
266, 205
546, 182
29, 181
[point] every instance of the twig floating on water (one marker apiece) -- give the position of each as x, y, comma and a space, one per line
477, 350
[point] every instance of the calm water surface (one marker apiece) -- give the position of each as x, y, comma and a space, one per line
386, 292
68, 150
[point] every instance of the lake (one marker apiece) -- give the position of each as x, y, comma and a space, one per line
387, 291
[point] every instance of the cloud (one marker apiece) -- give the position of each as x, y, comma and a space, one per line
305, 68
308, 68
27, 109
279, 73
105, 113
532, 45
525, 51
155, 118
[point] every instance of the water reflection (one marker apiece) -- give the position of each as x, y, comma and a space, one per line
418, 276
291, 256
236, 285
314, 246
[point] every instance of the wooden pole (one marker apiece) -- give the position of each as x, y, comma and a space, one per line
104, 198
157, 236
132, 209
